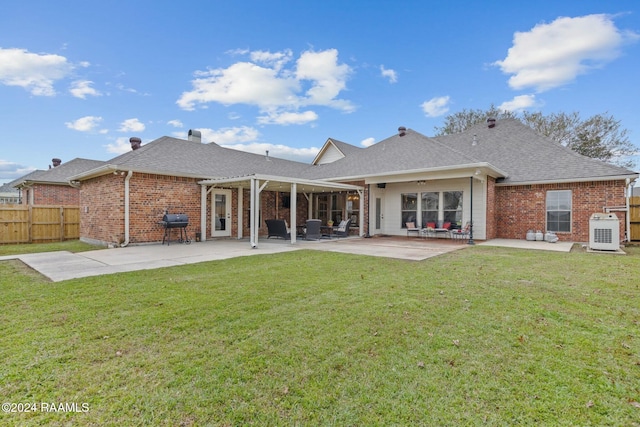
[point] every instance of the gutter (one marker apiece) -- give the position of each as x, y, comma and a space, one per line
126, 209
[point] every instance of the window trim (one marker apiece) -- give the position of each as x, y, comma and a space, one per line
547, 210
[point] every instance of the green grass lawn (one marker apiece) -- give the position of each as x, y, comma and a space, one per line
480, 336
29, 248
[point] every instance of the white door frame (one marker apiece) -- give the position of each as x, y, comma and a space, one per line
215, 232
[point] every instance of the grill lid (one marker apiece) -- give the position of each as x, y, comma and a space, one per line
175, 220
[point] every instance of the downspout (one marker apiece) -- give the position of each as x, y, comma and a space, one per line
126, 209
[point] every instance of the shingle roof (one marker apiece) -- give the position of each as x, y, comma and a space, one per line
511, 148
413, 151
167, 155
60, 174
526, 156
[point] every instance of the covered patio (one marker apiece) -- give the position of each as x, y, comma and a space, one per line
256, 184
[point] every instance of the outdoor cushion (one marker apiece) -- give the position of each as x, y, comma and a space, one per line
343, 225
431, 225
446, 225
411, 225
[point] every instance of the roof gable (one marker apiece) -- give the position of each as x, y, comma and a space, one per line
333, 150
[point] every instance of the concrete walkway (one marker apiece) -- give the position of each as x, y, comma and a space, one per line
63, 265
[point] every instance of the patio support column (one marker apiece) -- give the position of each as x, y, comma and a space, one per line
309, 198
239, 213
203, 213
253, 206
471, 242
293, 211
361, 219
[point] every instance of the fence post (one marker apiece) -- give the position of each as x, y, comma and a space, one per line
61, 223
30, 223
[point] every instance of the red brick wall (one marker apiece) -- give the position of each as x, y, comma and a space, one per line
523, 208
102, 207
49, 194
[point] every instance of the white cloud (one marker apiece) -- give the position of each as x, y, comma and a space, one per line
368, 142
436, 106
10, 170
232, 135
316, 79
277, 150
554, 54
327, 77
131, 125
245, 138
120, 146
82, 88
175, 123
389, 74
84, 124
277, 59
288, 118
518, 103
31, 71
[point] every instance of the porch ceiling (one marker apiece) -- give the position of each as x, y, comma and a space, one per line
279, 183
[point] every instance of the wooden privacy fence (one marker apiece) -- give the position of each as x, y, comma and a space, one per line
29, 224
634, 218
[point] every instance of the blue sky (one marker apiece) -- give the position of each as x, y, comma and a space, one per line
78, 78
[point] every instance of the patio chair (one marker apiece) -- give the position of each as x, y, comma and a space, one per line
411, 228
342, 230
461, 234
277, 228
313, 229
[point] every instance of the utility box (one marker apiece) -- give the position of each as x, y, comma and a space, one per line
604, 232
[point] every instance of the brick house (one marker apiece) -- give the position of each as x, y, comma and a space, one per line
52, 186
502, 176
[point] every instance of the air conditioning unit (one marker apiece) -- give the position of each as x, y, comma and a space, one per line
604, 232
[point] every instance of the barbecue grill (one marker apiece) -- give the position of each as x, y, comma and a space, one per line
175, 221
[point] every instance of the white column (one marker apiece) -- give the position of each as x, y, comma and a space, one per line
203, 213
240, 208
253, 233
361, 219
293, 211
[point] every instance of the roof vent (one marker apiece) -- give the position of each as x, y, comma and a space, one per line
475, 140
56, 162
491, 122
195, 135
402, 131
135, 142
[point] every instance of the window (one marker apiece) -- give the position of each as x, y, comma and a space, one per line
409, 208
453, 207
430, 207
559, 211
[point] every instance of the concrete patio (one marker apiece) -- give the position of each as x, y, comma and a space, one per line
62, 265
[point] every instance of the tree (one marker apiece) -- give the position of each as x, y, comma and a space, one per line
600, 136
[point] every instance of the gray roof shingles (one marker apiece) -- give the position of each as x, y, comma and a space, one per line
528, 157
510, 146
61, 174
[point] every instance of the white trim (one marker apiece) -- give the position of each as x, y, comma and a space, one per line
464, 170
568, 180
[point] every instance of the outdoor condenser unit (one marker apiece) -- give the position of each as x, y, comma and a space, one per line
604, 232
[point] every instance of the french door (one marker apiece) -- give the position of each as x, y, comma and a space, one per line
221, 213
